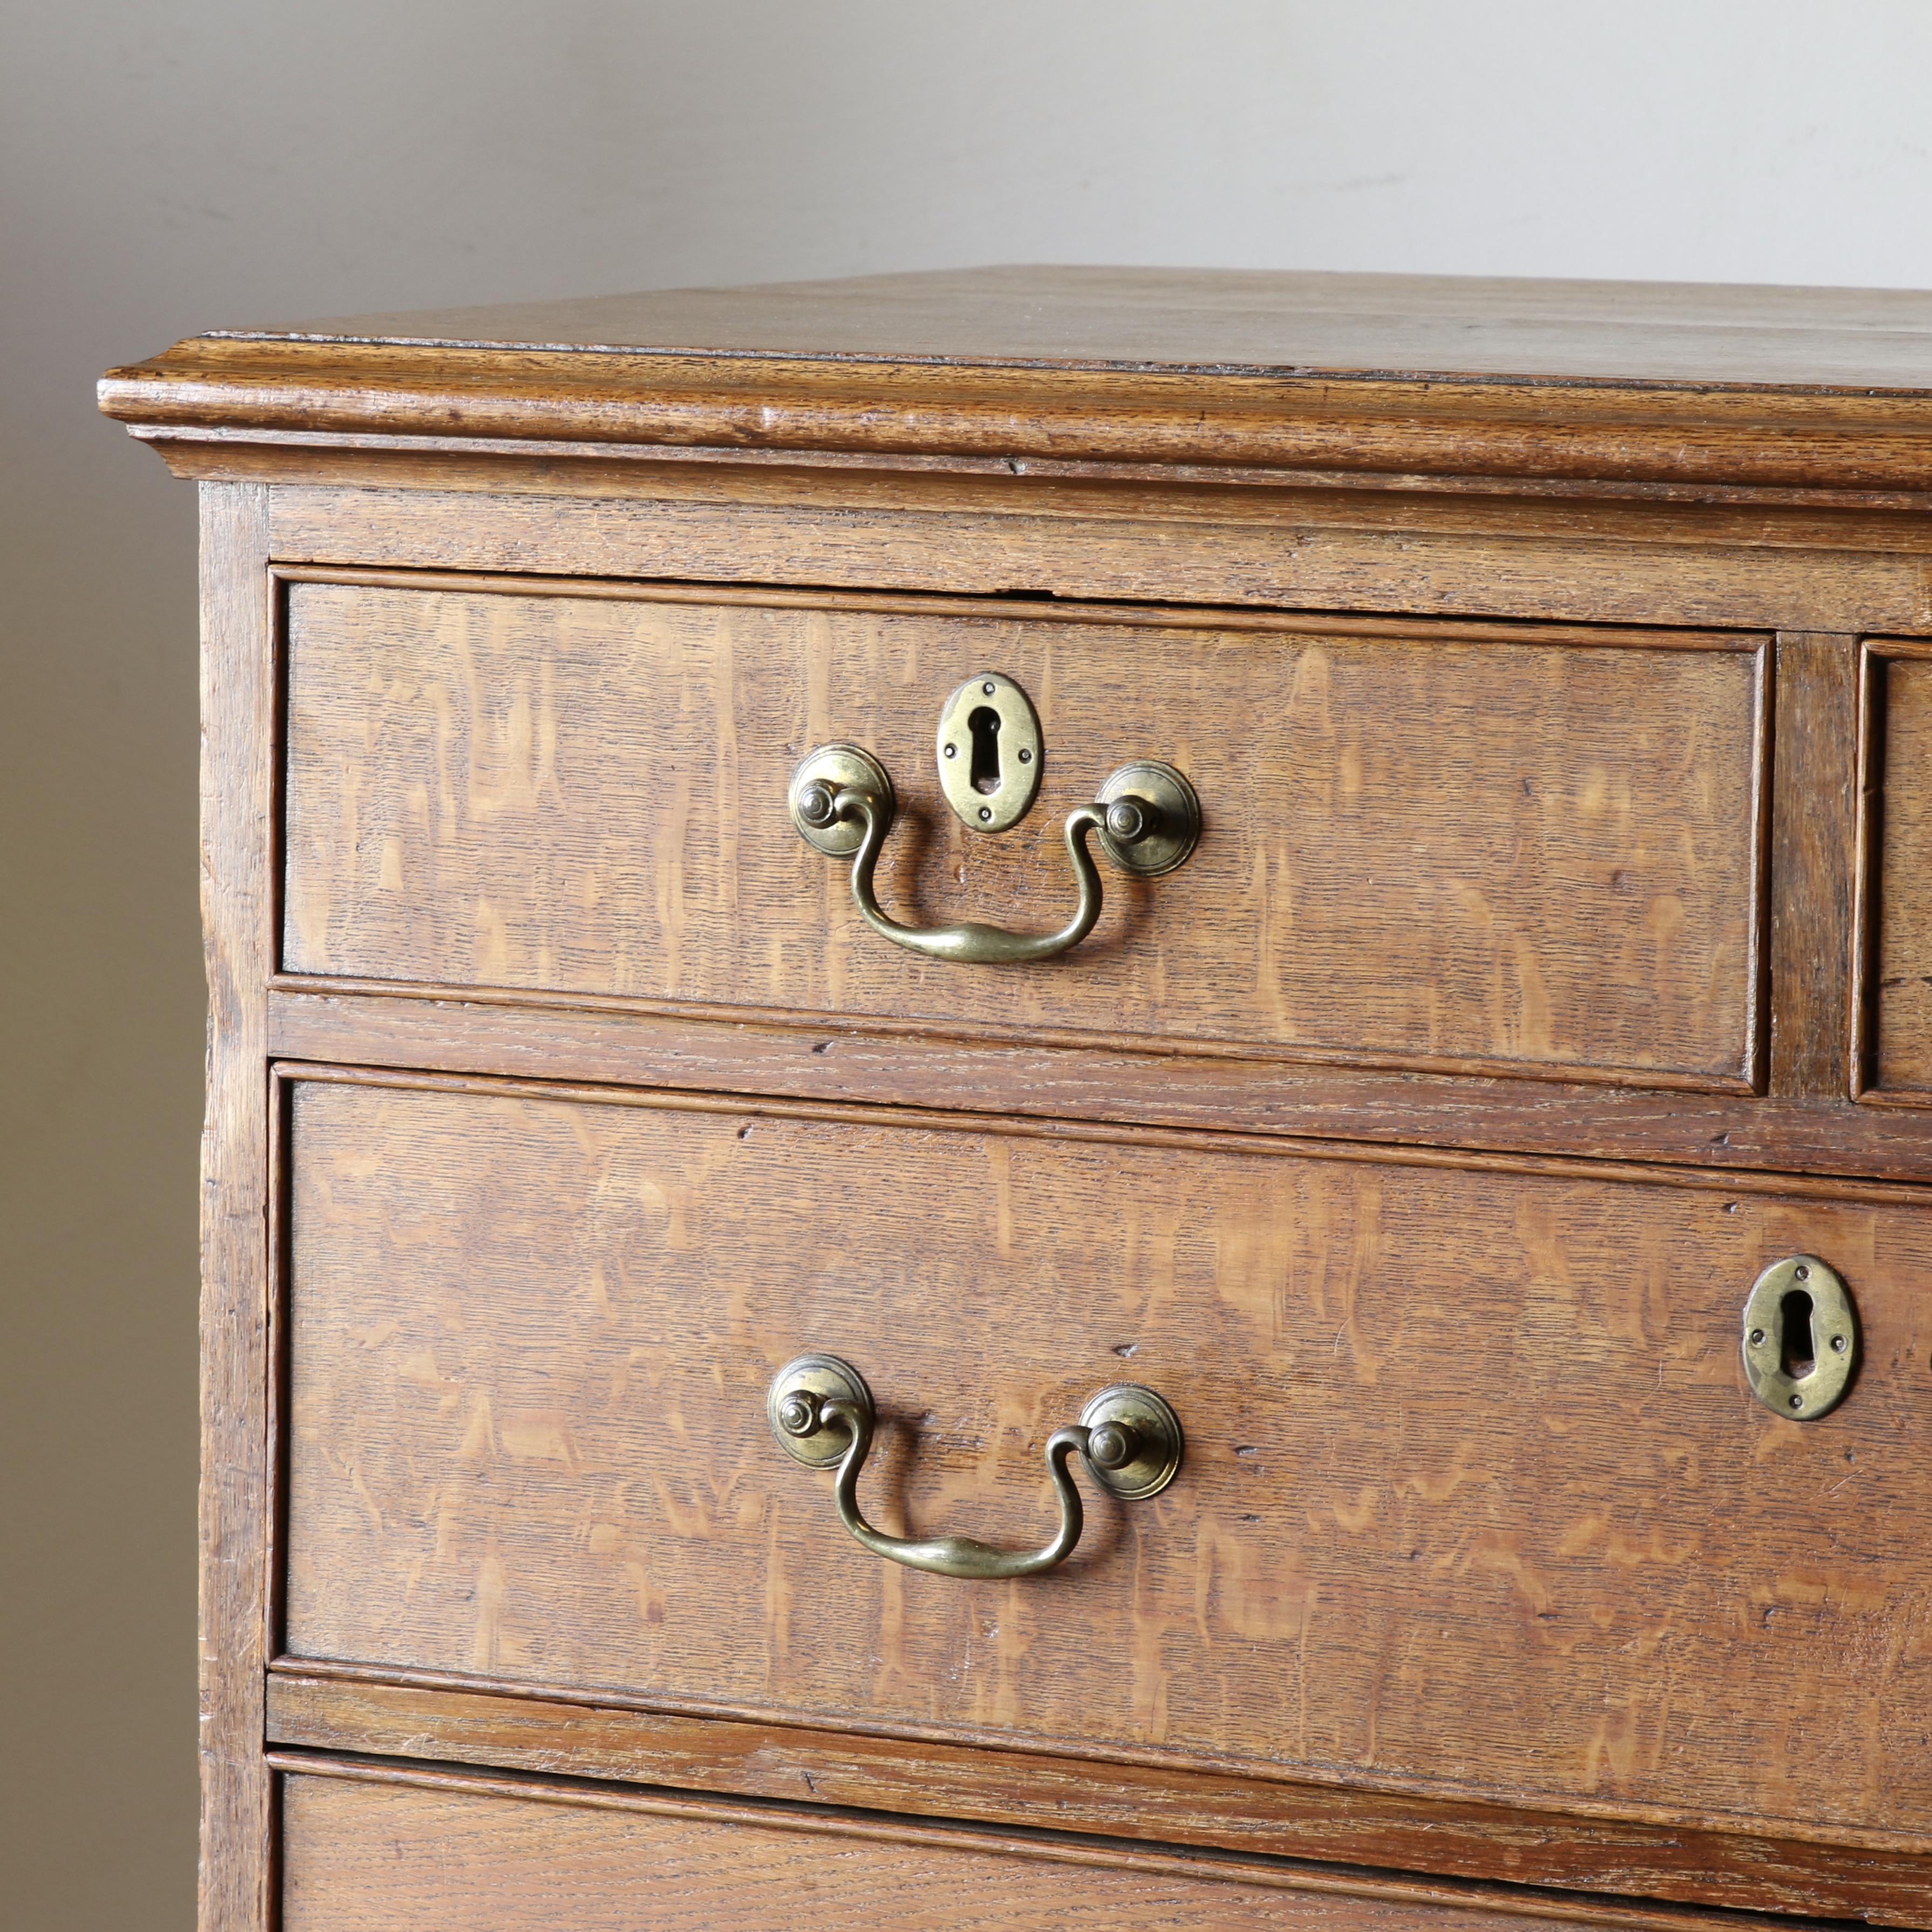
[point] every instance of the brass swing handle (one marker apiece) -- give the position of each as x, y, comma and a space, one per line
823, 1414
1146, 816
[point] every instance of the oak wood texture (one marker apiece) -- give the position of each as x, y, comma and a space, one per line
1898, 876
1774, 518
1426, 845
567, 1036
1752, 388
1491, 1842
1272, 548
1492, 1519
1416, 1279
238, 695
374, 1846
1814, 841
1230, 505
1216, 320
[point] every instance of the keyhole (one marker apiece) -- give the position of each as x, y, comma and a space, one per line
1800, 1355
984, 724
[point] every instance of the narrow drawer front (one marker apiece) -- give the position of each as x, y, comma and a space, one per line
1899, 723
1474, 1498
376, 1856
1421, 847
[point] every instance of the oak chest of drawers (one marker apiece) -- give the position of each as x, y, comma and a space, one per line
1068, 1091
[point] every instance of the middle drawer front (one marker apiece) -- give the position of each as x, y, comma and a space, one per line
1474, 1497
1435, 845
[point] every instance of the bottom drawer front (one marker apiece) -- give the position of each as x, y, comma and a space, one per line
1263, 1818
364, 1856
1475, 1500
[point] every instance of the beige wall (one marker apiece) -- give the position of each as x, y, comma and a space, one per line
182, 164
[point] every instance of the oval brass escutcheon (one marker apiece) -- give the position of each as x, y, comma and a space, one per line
1801, 1338
989, 752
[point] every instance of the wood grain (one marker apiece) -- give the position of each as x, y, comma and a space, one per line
237, 779
1875, 1193
1224, 321
567, 1037
580, 1739
1814, 836
374, 1846
1785, 517
1482, 1562
586, 794
1003, 609
1570, 403
1901, 871
1474, 1501
1441, 428
1248, 558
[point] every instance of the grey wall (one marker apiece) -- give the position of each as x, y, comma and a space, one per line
185, 164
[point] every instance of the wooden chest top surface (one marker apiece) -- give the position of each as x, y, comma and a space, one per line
1228, 322
1638, 384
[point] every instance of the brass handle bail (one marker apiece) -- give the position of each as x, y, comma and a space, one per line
1146, 817
822, 1415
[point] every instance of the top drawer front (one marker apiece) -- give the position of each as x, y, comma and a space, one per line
1423, 846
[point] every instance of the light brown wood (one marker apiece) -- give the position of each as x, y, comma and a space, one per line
1484, 1572
1135, 1802
1619, 433
1222, 322
1108, 1133
568, 1037
1900, 872
1492, 1519
374, 1846
587, 794
237, 690
1814, 834
1690, 394
1247, 559
1707, 513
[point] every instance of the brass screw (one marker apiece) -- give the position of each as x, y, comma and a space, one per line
1756, 1337
1797, 1402
1839, 1344
1026, 757
988, 689
953, 751
1803, 1272
985, 812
